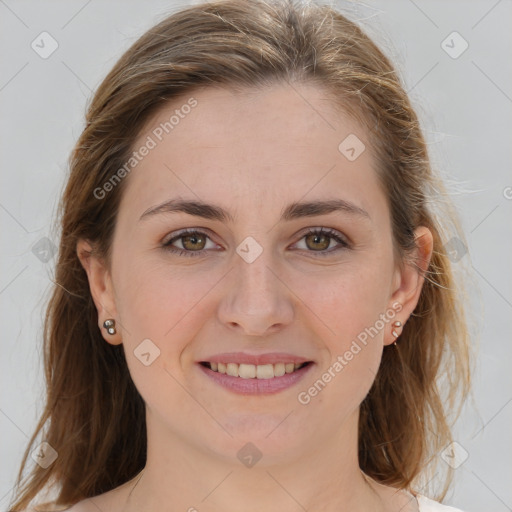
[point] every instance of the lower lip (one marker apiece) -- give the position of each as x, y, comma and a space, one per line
256, 386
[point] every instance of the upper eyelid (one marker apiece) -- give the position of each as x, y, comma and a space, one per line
182, 232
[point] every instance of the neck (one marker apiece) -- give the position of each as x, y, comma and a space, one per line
325, 477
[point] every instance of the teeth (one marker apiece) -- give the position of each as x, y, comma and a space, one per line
265, 371
251, 371
279, 369
232, 369
247, 371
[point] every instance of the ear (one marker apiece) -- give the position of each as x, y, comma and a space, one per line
408, 280
100, 284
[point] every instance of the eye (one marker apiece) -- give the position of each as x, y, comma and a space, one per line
321, 240
192, 241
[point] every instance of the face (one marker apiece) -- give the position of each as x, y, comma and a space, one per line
287, 279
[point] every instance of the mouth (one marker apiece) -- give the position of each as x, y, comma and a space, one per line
252, 371
255, 375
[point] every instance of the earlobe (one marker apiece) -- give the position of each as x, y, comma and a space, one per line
408, 282
100, 285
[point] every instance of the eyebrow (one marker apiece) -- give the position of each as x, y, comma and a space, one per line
293, 211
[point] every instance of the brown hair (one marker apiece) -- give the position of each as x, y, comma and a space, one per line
97, 424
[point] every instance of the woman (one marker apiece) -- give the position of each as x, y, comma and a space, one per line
253, 304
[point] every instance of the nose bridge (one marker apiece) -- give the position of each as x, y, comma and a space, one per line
257, 300
257, 283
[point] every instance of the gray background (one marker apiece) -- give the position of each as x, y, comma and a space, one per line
464, 103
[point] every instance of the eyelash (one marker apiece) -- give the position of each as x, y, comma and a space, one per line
331, 233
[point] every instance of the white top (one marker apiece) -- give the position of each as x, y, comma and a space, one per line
428, 505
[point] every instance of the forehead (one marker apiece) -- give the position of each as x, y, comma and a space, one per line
264, 146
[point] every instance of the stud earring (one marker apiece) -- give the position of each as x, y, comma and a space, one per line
396, 325
110, 326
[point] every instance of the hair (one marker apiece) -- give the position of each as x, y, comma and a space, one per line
97, 424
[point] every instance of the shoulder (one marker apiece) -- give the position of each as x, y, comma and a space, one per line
111, 501
428, 505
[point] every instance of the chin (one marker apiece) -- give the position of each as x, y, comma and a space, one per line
275, 436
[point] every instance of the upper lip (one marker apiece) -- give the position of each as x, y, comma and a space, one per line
256, 359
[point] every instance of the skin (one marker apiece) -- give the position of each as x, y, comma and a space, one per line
253, 153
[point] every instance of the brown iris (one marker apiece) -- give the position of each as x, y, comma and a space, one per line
191, 241
318, 238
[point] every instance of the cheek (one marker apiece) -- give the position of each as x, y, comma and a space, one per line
166, 307
159, 302
346, 301
350, 308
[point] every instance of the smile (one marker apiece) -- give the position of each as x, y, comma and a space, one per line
262, 374
251, 371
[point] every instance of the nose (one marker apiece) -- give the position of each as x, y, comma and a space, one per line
257, 301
